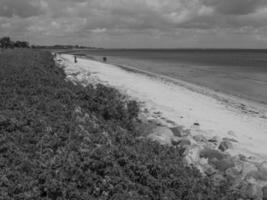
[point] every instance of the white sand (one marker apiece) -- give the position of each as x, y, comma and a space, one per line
182, 105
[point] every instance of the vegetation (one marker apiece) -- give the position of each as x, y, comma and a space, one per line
63, 141
62, 47
6, 42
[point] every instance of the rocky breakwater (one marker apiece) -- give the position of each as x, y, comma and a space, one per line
212, 157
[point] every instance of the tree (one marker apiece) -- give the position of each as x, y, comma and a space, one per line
21, 44
5, 42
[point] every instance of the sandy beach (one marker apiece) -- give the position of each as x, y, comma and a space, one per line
243, 82
175, 102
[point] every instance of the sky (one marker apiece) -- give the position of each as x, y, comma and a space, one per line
137, 23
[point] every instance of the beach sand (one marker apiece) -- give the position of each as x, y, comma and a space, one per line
236, 81
182, 103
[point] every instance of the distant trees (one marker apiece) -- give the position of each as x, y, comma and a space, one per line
6, 42
21, 44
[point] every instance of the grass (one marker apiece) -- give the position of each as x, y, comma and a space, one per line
63, 141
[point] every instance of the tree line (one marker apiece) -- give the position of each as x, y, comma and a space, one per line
6, 43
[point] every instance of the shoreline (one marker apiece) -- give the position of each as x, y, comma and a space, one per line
247, 88
235, 101
183, 79
208, 126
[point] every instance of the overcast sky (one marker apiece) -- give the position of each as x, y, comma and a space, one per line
137, 23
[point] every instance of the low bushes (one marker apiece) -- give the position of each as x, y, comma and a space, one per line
61, 141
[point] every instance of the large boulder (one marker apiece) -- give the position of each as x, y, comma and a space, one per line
181, 142
214, 140
212, 154
223, 164
225, 145
163, 135
200, 138
179, 131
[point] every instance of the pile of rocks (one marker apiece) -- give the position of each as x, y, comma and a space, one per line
211, 156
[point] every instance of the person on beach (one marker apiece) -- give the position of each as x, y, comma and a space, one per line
75, 59
104, 59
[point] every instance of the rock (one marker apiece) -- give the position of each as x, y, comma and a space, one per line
186, 132
180, 132
262, 170
264, 192
192, 154
251, 191
142, 117
196, 124
230, 139
175, 142
184, 142
211, 154
214, 140
242, 157
157, 113
199, 138
163, 135
225, 145
177, 131
223, 164
170, 122
146, 110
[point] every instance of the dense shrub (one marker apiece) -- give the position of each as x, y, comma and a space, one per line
61, 141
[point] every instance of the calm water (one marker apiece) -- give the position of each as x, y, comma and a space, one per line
237, 72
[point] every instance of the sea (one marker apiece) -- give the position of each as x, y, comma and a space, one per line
237, 72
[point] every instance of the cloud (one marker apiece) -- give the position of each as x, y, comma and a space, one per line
20, 8
155, 20
235, 7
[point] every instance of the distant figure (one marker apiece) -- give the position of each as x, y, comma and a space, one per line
104, 59
75, 59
